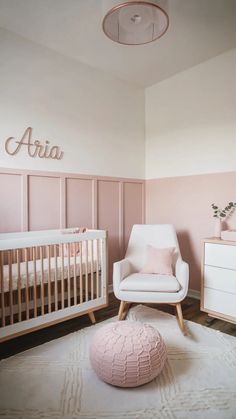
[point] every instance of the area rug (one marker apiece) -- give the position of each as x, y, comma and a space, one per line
55, 380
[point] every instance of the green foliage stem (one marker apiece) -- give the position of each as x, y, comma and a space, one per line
223, 213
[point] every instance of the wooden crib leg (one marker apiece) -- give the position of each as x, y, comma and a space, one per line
92, 317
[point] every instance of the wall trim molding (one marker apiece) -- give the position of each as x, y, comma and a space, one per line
110, 288
49, 173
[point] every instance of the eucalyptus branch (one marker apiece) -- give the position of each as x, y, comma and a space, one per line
223, 213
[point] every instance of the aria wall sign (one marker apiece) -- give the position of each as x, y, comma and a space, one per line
34, 147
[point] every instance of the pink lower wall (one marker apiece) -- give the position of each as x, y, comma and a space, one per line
32, 200
186, 202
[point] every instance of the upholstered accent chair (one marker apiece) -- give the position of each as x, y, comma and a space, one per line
132, 286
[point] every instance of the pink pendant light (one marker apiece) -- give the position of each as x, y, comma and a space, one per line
135, 22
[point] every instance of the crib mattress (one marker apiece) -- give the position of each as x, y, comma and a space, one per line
46, 268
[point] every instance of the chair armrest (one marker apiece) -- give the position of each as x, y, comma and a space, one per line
121, 269
182, 274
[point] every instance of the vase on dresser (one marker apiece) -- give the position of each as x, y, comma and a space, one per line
217, 227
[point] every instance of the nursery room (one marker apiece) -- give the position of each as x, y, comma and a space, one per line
118, 209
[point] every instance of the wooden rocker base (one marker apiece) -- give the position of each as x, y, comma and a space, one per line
92, 317
180, 319
124, 308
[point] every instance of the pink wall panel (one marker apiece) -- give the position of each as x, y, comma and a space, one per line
79, 202
44, 202
11, 202
186, 202
109, 217
133, 208
33, 200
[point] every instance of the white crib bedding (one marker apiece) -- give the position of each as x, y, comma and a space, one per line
73, 262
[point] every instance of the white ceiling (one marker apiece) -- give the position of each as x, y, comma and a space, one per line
199, 30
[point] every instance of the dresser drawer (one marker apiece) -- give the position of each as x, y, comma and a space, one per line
220, 302
220, 279
221, 255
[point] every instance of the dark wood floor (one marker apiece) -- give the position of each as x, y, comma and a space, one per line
190, 307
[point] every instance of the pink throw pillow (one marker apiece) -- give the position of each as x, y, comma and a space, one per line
159, 261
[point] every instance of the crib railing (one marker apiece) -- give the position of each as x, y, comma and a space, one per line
48, 278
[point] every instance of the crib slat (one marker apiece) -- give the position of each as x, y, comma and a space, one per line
75, 288
80, 273
10, 284
49, 278
92, 269
30, 253
56, 279
18, 259
41, 280
26, 284
35, 281
2, 289
97, 270
86, 270
62, 276
68, 274
13, 256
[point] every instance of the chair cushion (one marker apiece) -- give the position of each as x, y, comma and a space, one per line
159, 261
150, 282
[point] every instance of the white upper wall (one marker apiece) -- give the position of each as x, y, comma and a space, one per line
191, 120
96, 119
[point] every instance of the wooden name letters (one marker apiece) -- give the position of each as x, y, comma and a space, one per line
34, 147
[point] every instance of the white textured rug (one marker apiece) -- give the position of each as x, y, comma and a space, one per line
55, 380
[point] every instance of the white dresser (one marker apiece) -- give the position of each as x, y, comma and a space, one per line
218, 286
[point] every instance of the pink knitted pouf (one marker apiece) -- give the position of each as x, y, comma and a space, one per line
127, 354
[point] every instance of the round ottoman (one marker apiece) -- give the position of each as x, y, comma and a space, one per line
127, 354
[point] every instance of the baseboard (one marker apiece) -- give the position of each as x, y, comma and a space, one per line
194, 294
110, 288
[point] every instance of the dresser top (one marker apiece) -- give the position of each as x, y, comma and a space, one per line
217, 240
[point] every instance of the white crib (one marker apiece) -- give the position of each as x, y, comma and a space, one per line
50, 276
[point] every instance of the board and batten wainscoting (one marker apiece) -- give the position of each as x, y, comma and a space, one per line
37, 200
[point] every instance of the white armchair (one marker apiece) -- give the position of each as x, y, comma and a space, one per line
130, 285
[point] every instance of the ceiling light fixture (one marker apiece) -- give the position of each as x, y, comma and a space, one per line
135, 22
